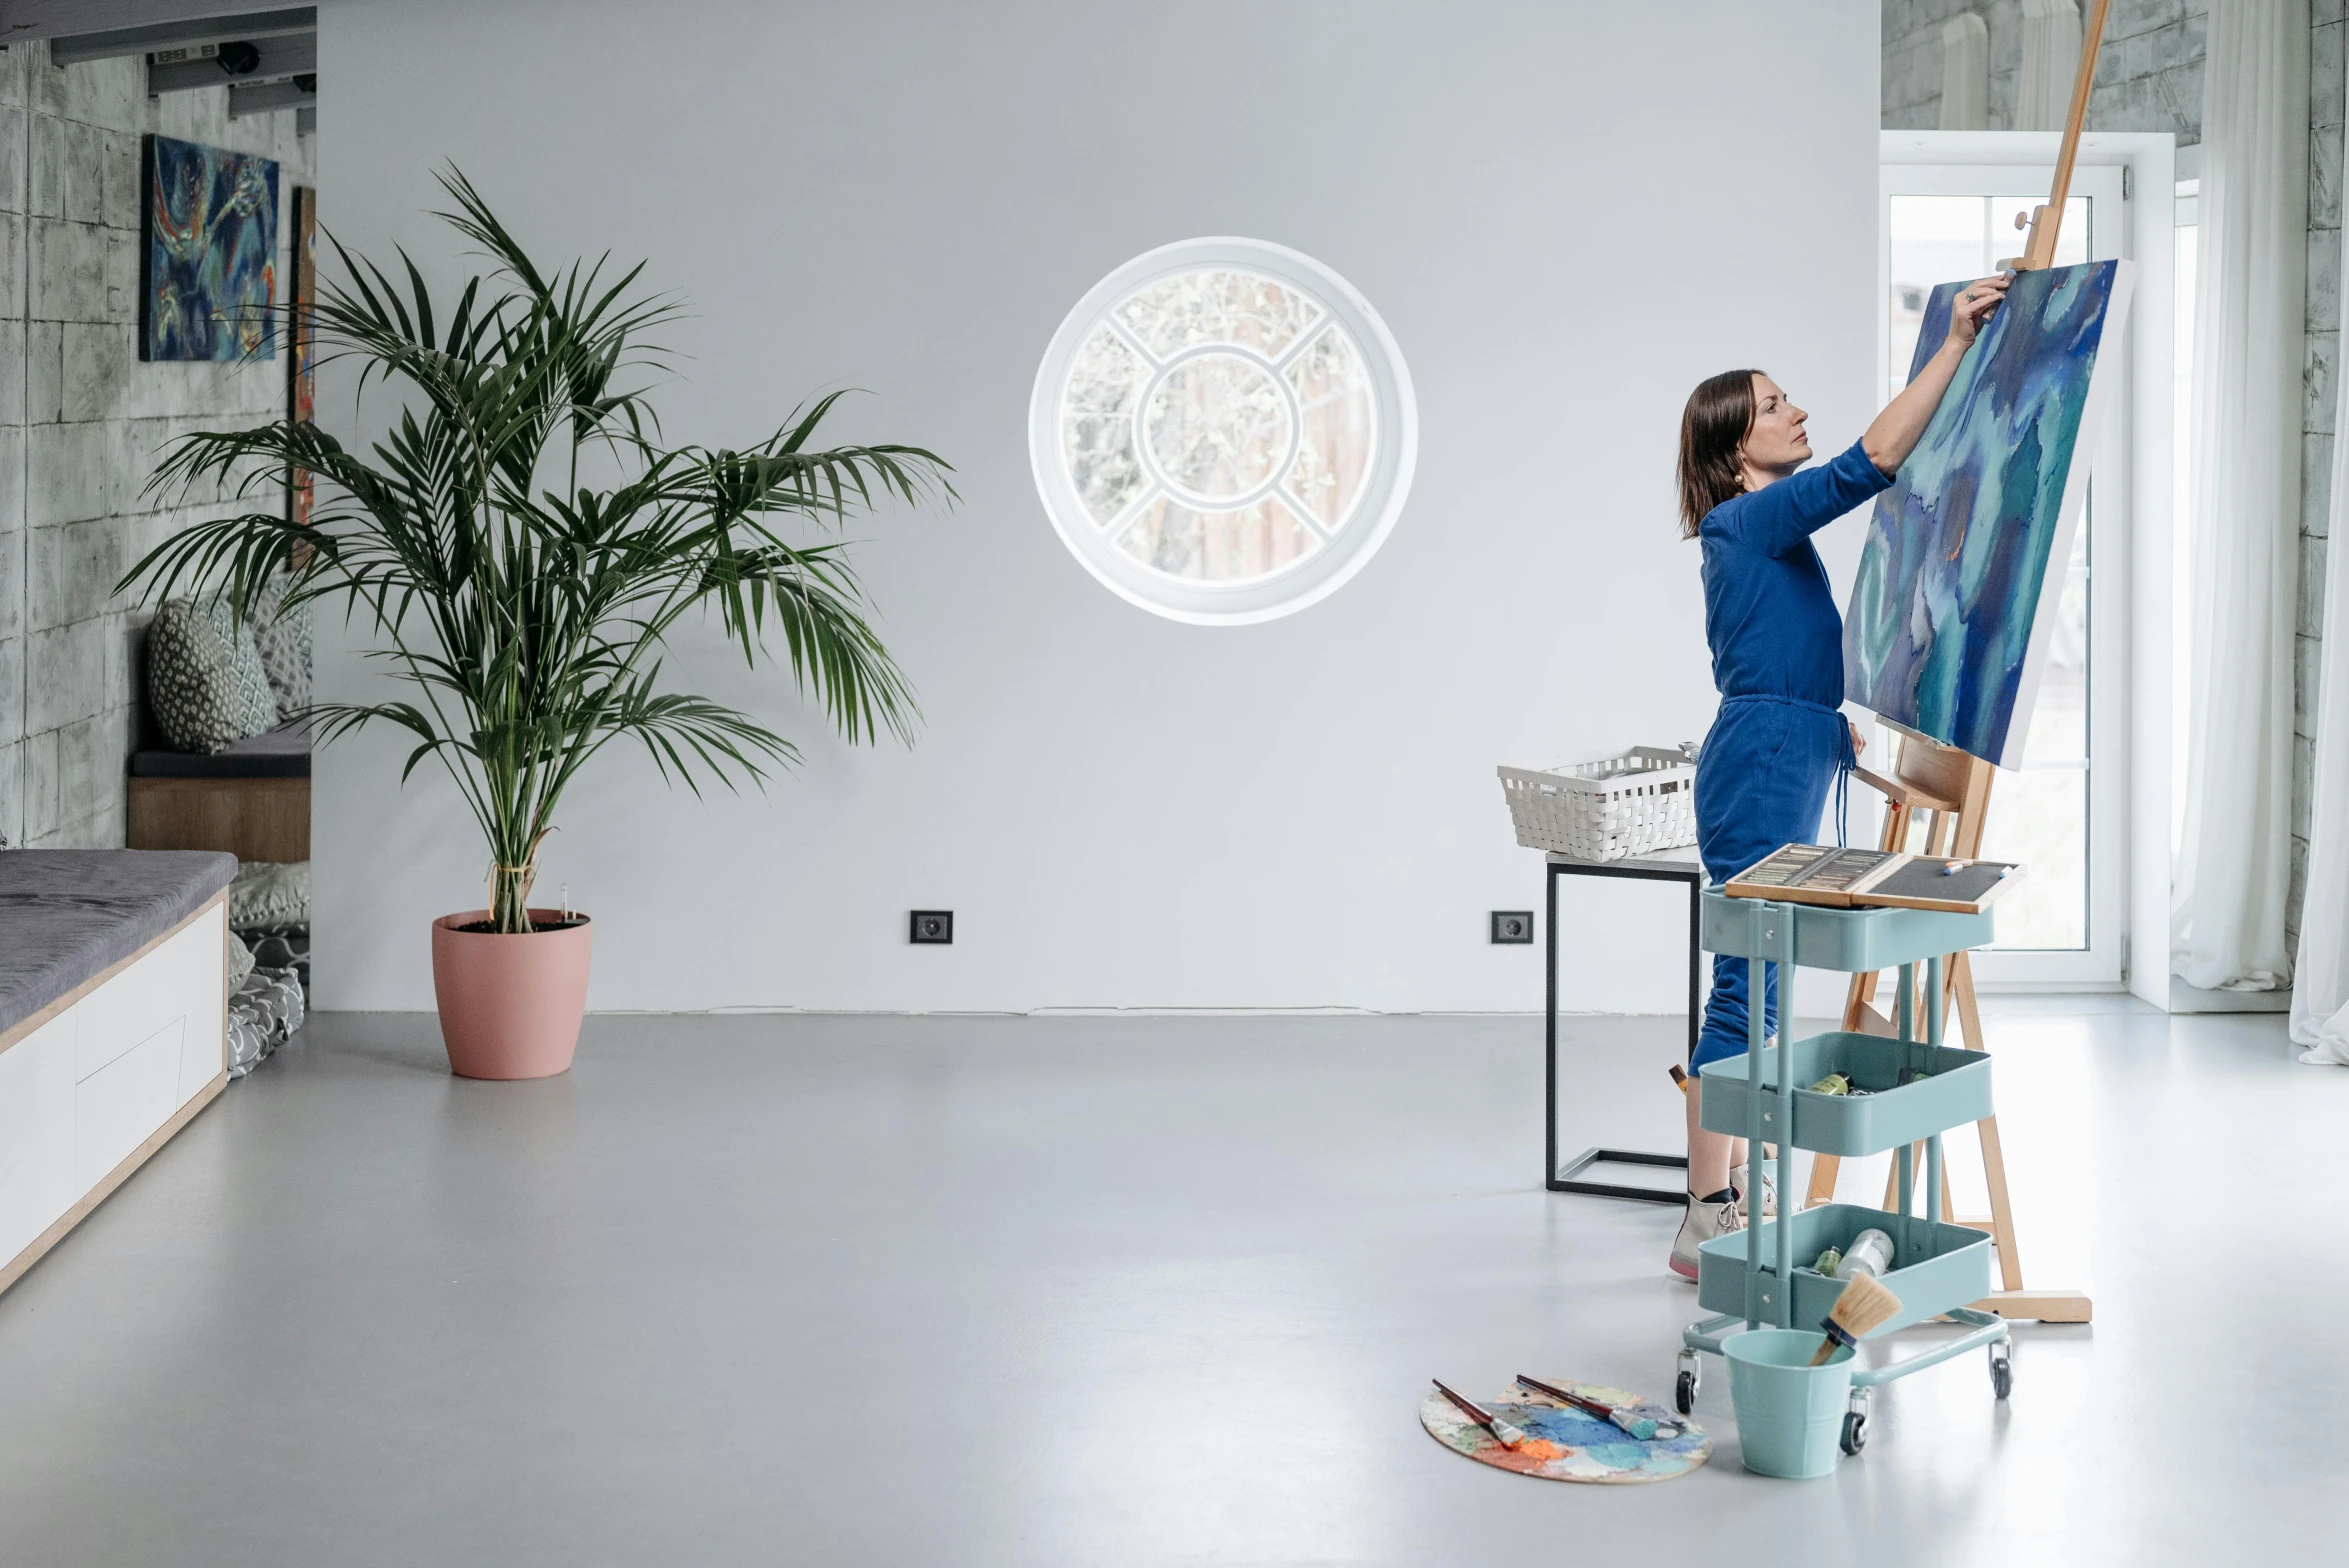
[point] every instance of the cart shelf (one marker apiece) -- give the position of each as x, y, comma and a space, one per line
1856, 941
1952, 1088
1936, 1266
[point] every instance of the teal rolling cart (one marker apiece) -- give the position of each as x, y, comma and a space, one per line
1917, 1089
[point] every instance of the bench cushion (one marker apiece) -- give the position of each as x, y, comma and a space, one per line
67, 915
273, 754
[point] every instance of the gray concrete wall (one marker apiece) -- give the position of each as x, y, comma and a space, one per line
2326, 90
2149, 78
2148, 75
82, 421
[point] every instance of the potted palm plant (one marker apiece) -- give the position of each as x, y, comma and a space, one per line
524, 607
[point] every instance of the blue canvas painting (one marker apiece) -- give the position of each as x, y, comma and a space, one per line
208, 273
1951, 613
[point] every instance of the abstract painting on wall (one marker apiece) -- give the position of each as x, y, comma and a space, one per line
1953, 608
208, 267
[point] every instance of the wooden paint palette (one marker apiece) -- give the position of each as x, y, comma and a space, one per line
1564, 1444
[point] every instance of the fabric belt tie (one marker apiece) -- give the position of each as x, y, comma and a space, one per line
1845, 762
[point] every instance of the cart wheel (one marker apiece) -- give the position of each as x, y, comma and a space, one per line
1855, 1431
2002, 1371
1684, 1392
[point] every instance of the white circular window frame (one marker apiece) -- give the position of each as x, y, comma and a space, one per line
1385, 487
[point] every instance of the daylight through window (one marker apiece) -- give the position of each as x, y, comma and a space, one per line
1223, 431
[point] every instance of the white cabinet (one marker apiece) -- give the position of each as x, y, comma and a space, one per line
36, 1133
180, 977
82, 1093
119, 1105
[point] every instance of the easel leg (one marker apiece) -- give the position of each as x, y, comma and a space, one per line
1961, 991
2002, 1217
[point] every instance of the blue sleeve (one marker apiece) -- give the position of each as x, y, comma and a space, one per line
1778, 517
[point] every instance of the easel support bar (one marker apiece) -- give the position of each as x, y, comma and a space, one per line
2047, 222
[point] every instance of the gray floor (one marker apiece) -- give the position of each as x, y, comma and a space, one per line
1078, 1290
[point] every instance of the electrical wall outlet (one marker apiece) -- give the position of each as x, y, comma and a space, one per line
937, 926
1512, 927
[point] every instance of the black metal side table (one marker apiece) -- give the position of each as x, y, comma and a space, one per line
1667, 867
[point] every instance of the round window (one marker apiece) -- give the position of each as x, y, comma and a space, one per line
1223, 431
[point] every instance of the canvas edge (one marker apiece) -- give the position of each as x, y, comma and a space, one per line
147, 247
2104, 377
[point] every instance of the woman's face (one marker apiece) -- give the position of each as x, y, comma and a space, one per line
1776, 444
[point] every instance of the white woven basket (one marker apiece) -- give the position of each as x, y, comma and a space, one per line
1633, 804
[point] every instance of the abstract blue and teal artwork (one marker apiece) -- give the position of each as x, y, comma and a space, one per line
208, 269
1951, 613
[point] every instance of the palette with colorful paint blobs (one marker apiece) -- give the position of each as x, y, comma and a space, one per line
1564, 1444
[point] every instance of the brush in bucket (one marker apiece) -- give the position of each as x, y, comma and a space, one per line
1864, 1307
1790, 1390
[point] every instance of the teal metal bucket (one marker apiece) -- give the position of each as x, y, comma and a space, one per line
1789, 1413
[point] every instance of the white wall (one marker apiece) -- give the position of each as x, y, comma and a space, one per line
1566, 214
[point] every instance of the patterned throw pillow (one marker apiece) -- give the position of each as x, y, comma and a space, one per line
269, 893
204, 677
283, 637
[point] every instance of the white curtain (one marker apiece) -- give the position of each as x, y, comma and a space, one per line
2234, 864
1965, 73
2320, 988
2051, 59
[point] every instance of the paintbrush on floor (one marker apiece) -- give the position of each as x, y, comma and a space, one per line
1639, 1426
1510, 1436
1864, 1307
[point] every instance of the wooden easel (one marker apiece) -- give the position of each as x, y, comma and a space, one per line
1952, 789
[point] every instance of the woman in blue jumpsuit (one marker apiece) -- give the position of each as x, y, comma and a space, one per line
1779, 744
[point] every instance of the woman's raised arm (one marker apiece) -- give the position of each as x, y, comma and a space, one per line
1889, 441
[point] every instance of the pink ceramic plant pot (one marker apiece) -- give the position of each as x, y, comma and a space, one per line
510, 1006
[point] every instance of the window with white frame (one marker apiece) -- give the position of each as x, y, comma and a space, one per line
1223, 431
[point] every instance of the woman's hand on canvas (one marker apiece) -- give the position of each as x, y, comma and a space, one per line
1973, 306
1897, 430
1859, 742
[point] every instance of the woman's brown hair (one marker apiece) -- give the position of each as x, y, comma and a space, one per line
1712, 427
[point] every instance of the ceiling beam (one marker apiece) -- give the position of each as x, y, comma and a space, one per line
214, 23
269, 97
22, 19
295, 54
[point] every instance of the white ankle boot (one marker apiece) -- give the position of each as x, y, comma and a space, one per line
1769, 1204
1701, 1224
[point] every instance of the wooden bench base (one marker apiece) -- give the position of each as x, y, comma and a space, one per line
252, 819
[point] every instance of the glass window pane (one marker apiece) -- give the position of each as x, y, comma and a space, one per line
1191, 308
1218, 546
2039, 818
1943, 239
2059, 720
1218, 428
1222, 431
1934, 239
1333, 387
2188, 253
1097, 425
